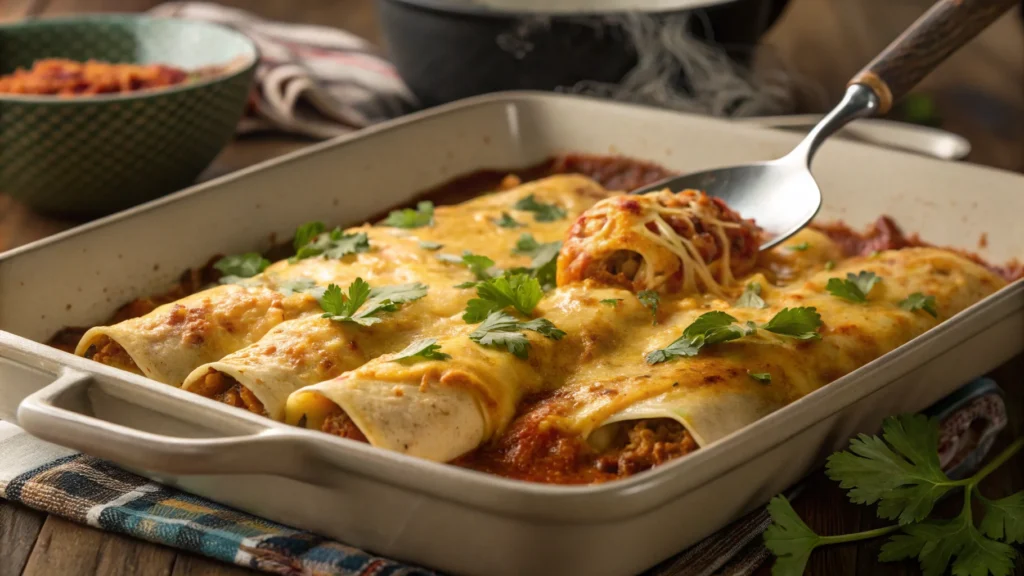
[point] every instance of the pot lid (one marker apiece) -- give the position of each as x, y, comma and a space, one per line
565, 7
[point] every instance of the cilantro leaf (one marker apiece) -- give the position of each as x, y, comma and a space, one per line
544, 327
716, 327
518, 291
479, 265
502, 330
240, 266
613, 302
918, 301
800, 323
937, 542
788, 538
762, 377
1004, 518
709, 328
855, 287
346, 308
801, 247
650, 299
427, 349
830, 265
428, 245
334, 244
305, 233
900, 471
336, 303
545, 258
296, 286
507, 221
422, 216
541, 212
751, 297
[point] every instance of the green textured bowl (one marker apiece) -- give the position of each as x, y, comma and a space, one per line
93, 155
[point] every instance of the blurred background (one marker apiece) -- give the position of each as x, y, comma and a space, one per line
352, 63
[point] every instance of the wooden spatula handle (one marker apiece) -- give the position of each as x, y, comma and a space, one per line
943, 29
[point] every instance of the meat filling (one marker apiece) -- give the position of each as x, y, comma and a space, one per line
339, 424
109, 352
644, 444
223, 388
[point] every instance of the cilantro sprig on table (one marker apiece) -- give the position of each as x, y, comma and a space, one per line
900, 472
341, 307
716, 327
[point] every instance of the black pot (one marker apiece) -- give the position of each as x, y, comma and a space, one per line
445, 54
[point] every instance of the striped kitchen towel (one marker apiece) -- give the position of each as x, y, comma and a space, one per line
311, 80
88, 490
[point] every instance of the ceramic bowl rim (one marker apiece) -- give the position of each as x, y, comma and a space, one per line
246, 66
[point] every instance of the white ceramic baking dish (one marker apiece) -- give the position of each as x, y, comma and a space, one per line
433, 514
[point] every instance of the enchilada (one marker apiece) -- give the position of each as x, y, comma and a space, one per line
560, 317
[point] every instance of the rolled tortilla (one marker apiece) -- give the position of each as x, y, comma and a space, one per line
174, 339
713, 394
433, 409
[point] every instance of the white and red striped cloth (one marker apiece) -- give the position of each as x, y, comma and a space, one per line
311, 80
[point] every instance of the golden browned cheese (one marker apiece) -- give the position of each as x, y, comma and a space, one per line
683, 242
344, 378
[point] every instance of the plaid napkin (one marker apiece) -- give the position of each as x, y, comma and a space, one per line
311, 80
87, 490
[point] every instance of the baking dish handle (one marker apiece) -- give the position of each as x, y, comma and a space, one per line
268, 451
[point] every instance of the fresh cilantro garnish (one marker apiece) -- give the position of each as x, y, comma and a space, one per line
507, 221
543, 267
751, 297
428, 349
502, 330
422, 216
900, 471
428, 245
296, 286
480, 266
716, 327
830, 265
240, 266
342, 307
650, 299
800, 247
709, 328
1004, 518
518, 291
541, 212
918, 301
613, 302
334, 244
800, 323
855, 287
762, 377
305, 234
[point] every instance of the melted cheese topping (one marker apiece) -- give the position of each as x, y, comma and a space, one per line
311, 371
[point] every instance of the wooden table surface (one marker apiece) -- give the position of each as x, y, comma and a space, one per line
35, 544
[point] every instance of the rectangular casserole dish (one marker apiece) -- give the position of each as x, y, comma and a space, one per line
436, 515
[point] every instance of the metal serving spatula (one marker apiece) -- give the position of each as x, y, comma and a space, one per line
781, 195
